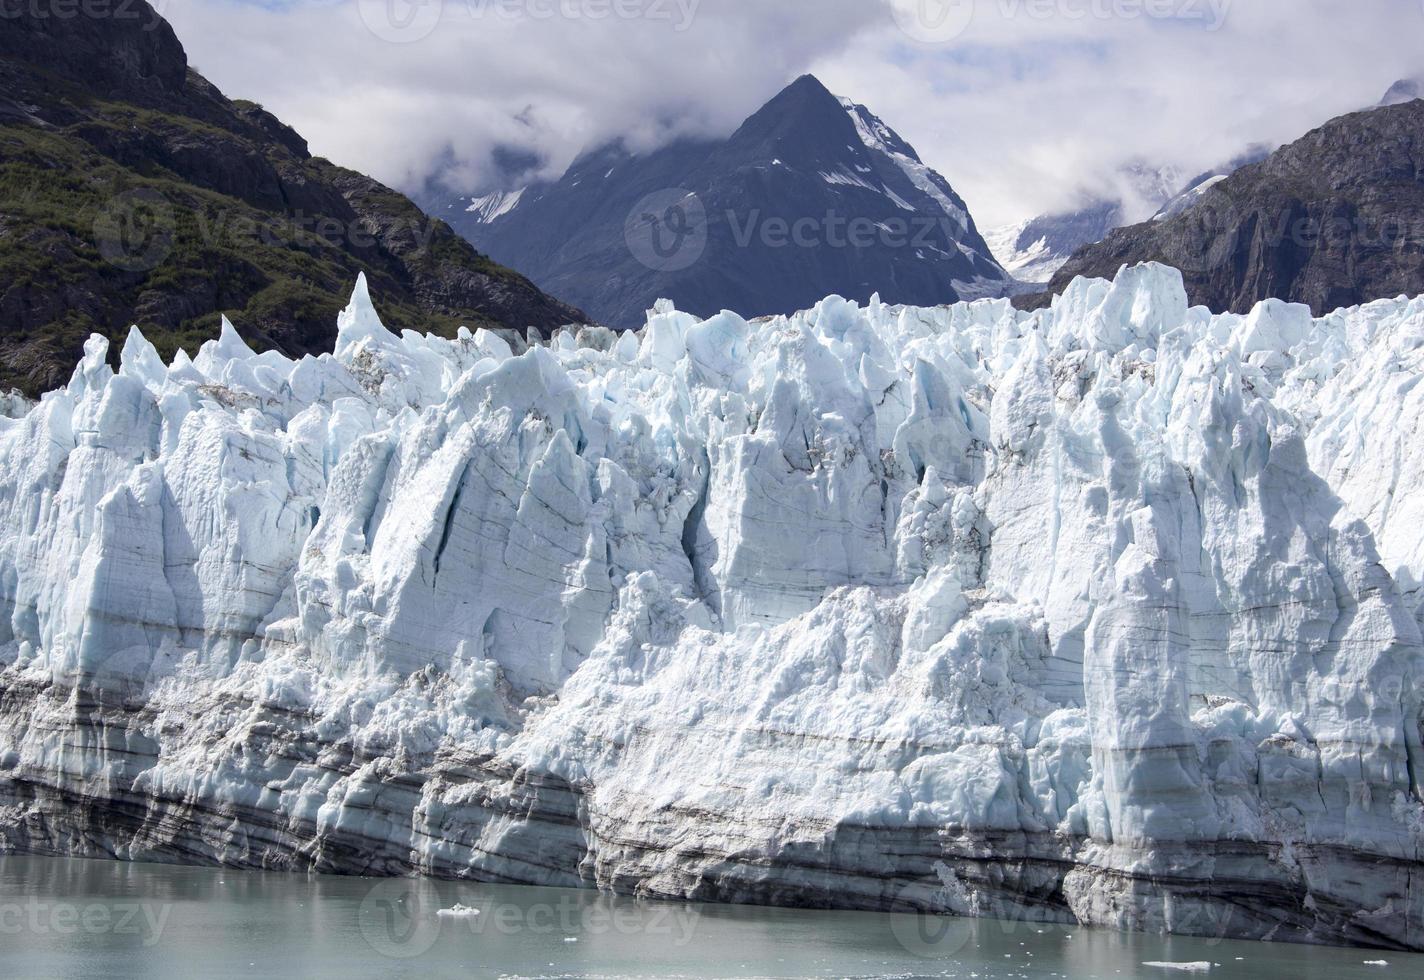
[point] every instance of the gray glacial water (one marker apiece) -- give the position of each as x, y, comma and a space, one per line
64, 917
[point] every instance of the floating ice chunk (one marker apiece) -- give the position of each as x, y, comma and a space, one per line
1197, 967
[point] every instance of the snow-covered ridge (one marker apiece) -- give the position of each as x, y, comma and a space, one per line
878, 137
1108, 612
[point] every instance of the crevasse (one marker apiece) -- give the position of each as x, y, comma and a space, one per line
1107, 613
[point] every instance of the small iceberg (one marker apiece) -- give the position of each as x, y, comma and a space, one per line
459, 911
1200, 967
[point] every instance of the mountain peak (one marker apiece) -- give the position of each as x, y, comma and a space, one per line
805, 95
705, 223
807, 86
804, 114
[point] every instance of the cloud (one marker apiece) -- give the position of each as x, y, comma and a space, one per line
412, 91
1024, 112
1026, 105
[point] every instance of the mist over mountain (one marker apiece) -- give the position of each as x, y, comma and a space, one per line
1404, 90
1033, 250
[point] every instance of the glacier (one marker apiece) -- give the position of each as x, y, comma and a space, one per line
1108, 613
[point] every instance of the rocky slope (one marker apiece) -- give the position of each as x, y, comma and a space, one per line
812, 195
1108, 613
132, 191
1334, 219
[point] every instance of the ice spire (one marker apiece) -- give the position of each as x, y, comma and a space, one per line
359, 322
140, 359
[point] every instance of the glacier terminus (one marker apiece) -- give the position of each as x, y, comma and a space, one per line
1107, 613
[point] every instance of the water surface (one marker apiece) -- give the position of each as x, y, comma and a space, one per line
62, 917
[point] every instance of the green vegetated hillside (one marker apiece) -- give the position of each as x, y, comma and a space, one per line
133, 192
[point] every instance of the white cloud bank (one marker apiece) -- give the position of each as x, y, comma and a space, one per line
1023, 104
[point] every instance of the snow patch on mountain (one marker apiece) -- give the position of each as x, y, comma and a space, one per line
491, 206
844, 179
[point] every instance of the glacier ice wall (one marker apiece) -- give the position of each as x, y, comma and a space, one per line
1108, 613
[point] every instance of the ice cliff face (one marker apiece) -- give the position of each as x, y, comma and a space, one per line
1109, 612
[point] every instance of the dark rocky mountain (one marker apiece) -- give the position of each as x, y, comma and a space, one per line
133, 192
812, 195
1334, 219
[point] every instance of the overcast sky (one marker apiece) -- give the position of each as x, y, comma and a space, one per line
1022, 104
